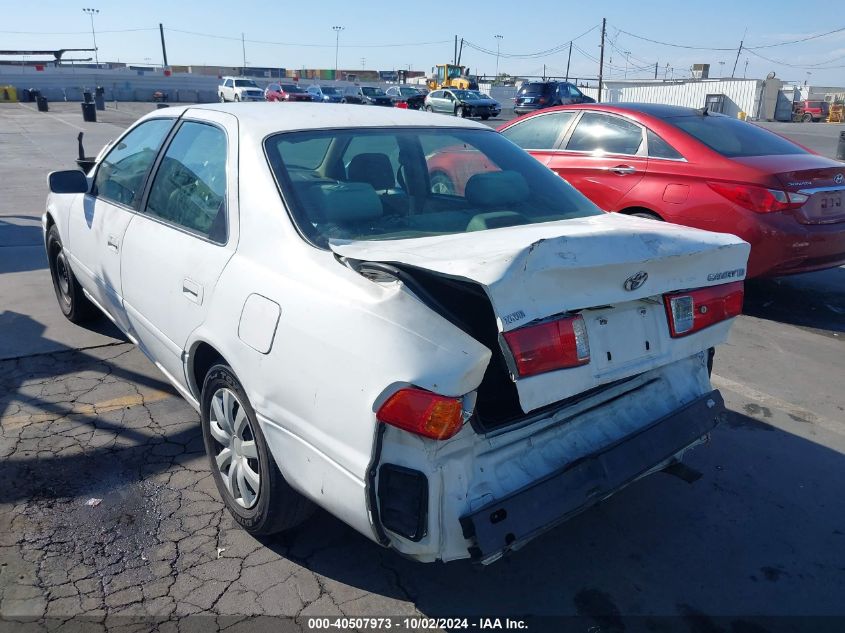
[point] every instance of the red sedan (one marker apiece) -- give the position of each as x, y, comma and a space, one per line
699, 169
286, 92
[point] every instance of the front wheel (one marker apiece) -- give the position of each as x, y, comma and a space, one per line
72, 300
807, 118
484, 117
428, 108
247, 478
222, 98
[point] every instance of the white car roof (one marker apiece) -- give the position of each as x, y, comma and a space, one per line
262, 119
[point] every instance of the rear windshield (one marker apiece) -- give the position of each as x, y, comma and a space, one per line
535, 89
734, 138
399, 183
329, 91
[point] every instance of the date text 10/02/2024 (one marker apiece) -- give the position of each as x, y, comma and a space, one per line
415, 624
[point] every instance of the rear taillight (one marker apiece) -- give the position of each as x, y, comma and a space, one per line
695, 310
549, 346
542, 100
758, 199
402, 104
423, 413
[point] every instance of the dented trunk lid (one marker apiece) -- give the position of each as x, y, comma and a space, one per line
535, 271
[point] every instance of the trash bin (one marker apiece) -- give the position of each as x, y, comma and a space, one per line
89, 112
26, 95
42, 104
159, 106
34, 94
840, 149
100, 98
87, 96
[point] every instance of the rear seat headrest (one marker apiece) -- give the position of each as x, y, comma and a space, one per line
496, 188
345, 202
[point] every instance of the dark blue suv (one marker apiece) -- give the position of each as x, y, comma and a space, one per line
536, 95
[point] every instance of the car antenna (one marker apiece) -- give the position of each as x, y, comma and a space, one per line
703, 111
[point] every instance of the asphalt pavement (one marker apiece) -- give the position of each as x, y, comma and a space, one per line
108, 511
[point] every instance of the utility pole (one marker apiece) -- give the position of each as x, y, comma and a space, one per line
455, 56
655, 70
460, 51
738, 52
91, 13
627, 55
568, 59
337, 30
498, 42
243, 49
163, 47
601, 57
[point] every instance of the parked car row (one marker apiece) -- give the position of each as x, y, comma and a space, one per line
463, 103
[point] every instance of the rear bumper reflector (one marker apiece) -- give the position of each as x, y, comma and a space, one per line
512, 521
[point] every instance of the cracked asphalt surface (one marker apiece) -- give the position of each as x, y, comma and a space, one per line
110, 520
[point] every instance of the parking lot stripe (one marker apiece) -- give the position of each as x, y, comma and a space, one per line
760, 397
83, 408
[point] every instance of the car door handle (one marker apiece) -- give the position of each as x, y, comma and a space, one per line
113, 243
623, 170
192, 290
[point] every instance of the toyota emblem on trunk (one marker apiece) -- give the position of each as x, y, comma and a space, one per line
839, 179
635, 281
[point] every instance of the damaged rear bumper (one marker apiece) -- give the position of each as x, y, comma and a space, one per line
510, 522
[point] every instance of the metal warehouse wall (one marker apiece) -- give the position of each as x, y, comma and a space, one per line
742, 95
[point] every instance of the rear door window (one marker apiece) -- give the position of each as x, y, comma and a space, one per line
733, 138
658, 148
121, 175
189, 189
604, 134
539, 132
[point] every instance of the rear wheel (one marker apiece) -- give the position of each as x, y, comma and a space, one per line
807, 118
647, 214
247, 477
428, 108
484, 117
72, 300
442, 184
222, 98
237, 97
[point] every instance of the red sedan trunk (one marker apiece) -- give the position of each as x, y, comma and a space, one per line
702, 170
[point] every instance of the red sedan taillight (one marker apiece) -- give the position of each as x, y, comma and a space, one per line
423, 412
549, 346
402, 104
695, 310
758, 199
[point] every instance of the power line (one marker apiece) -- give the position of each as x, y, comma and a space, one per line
238, 39
544, 53
799, 66
152, 28
731, 48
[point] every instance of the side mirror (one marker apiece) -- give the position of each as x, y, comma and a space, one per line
68, 181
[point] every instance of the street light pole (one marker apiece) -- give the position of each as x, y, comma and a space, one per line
337, 30
498, 42
91, 13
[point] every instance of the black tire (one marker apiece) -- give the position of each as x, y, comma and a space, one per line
222, 98
72, 300
807, 118
237, 97
647, 215
461, 111
428, 108
343, 100
442, 184
484, 117
277, 506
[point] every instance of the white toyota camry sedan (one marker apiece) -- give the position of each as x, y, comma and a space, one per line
398, 316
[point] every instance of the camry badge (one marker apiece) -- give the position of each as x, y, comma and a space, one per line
839, 179
635, 281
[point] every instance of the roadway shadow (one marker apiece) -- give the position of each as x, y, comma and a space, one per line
814, 300
762, 531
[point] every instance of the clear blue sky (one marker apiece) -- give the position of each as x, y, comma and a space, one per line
427, 29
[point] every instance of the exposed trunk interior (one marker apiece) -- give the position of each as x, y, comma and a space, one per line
467, 306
